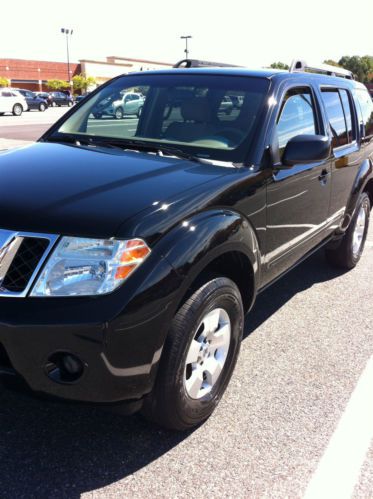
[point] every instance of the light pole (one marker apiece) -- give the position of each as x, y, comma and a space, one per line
67, 32
186, 38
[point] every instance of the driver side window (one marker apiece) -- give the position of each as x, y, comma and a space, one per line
296, 117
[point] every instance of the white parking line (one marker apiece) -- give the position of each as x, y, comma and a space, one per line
339, 468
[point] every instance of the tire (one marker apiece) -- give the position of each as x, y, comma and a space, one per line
42, 107
348, 253
17, 110
139, 111
54, 104
186, 393
97, 115
70, 104
118, 113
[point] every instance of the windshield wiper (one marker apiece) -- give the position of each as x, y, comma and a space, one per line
128, 144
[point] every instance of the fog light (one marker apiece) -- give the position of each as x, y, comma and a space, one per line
64, 367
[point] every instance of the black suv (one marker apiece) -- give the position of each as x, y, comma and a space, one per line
131, 250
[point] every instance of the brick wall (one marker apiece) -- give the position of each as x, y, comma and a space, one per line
31, 71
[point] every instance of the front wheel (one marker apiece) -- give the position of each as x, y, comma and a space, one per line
199, 356
119, 113
42, 107
17, 109
349, 251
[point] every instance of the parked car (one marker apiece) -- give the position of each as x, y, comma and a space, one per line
12, 101
124, 104
131, 252
46, 96
79, 98
33, 101
60, 99
226, 105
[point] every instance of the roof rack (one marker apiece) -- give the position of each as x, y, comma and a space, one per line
300, 66
196, 63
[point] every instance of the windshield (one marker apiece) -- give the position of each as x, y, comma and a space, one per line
207, 115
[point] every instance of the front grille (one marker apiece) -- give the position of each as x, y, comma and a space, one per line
24, 264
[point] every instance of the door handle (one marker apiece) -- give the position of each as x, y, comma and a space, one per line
323, 177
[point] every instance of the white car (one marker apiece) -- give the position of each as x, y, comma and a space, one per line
12, 101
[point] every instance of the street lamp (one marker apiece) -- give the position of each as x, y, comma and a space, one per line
186, 38
67, 32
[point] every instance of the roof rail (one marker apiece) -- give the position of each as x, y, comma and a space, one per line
300, 66
196, 63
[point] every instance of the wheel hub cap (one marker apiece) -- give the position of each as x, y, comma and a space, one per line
207, 353
359, 231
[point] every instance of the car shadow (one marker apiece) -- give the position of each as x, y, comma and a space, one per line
312, 271
51, 449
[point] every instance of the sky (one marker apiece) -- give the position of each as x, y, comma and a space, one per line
241, 32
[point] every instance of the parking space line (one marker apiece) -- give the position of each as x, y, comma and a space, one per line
339, 468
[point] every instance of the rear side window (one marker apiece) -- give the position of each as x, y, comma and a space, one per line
336, 117
297, 116
366, 106
347, 112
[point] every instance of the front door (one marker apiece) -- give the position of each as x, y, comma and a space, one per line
297, 198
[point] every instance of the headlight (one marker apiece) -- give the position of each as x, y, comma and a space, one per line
80, 266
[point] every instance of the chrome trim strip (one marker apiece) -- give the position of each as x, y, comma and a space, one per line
6, 241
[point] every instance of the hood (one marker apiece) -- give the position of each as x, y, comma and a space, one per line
70, 190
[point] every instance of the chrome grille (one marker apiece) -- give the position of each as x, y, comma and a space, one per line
21, 257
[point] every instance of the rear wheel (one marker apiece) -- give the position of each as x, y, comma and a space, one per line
70, 103
42, 107
349, 251
17, 109
199, 356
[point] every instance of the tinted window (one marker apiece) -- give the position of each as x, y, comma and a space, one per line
335, 114
366, 106
348, 114
297, 116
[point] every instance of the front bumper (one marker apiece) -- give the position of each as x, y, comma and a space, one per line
117, 337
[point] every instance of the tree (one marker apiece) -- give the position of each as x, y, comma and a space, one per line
331, 62
57, 84
82, 83
362, 67
279, 65
4, 82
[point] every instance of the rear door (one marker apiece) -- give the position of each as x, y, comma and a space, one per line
341, 116
297, 197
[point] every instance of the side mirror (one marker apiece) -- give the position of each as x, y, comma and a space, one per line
304, 149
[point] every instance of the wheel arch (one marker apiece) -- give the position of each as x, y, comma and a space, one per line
218, 242
363, 182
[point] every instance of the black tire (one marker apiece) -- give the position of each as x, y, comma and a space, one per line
17, 110
54, 104
345, 255
169, 403
42, 107
97, 115
118, 113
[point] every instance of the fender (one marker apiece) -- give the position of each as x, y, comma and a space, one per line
363, 176
194, 243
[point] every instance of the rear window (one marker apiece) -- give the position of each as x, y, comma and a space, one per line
366, 107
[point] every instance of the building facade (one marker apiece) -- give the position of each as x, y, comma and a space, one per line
33, 75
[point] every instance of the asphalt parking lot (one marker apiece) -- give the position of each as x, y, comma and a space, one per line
295, 421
